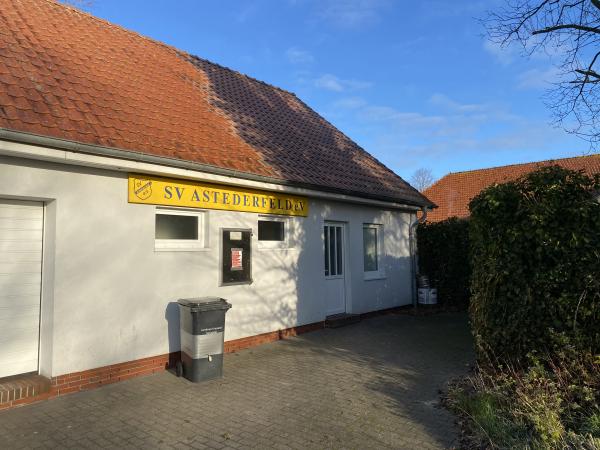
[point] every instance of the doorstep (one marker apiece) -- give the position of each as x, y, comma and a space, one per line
340, 320
23, 389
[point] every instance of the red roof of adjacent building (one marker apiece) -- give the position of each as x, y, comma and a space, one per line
453, 192
69, 75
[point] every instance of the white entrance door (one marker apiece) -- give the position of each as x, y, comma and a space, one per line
335, 289
21, 231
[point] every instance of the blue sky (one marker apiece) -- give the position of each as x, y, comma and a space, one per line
414, 83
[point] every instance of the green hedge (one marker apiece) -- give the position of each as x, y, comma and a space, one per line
535, 247
444, 256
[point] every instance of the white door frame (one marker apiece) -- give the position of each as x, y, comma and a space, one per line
46, 322
41, 205
345, 261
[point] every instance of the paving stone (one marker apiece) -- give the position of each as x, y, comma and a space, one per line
369, 385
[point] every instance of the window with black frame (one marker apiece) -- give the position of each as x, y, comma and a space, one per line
271, 230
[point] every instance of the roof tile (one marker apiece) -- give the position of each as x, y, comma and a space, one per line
73, 76
453, 192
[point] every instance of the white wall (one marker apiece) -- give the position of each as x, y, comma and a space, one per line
108, 297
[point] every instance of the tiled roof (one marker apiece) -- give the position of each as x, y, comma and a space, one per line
69, 75
453, 192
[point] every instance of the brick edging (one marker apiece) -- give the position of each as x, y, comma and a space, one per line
89, 379
93, 378
271, 336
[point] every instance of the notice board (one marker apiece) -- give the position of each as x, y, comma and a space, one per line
236, 256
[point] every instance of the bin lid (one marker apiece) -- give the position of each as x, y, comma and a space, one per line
204, 303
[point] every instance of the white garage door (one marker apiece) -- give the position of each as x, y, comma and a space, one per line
21, 231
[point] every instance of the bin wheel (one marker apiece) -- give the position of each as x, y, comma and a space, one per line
179, 368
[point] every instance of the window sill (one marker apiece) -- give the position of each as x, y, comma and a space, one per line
368, 276
275, 248
181, 249
334, 277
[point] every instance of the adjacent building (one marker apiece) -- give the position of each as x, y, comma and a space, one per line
453, 192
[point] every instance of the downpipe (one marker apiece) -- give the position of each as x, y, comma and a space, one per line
413, 252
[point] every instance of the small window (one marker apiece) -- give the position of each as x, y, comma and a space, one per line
271, 230
372, 250
178, 229
370, 245
274, 233
171, 226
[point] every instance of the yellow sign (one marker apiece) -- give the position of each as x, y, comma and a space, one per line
171, 192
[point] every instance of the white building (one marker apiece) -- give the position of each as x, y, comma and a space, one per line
129, 170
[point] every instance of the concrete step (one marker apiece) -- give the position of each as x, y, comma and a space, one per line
22, 386
340, 320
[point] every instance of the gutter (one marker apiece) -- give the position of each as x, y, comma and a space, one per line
413, 252
29, 145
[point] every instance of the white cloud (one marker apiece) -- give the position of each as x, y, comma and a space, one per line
351, 13
401, 119
444, 133
450, 120
507, 54
246, 13
333, 83
453, 126
299, 56
538, 78
445, 102
329, 82
503, 55
350, 103
445, 9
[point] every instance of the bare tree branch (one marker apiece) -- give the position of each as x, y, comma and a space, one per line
572, 26
422, 179
569, 30
587, 73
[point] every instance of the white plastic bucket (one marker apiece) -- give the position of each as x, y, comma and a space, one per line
427, 296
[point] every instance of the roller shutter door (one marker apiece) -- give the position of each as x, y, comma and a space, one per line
21, 232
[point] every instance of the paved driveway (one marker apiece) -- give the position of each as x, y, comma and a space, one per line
369, 385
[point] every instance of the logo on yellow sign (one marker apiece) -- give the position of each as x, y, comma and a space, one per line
142, 188
172, 192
